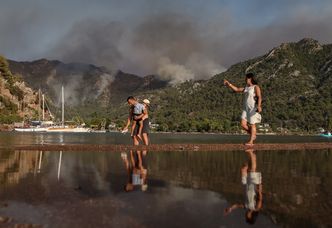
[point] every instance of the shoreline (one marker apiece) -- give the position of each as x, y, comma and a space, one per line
2, 130
173, 147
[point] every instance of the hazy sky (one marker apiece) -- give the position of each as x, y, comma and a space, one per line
187, 38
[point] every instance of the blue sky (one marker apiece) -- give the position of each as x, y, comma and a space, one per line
125, 34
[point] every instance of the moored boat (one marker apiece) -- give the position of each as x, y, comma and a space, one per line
327, 135
67, 129
31, 129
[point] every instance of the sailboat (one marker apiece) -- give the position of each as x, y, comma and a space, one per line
37, 125
63, 127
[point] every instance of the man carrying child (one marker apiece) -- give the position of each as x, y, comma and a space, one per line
138, 116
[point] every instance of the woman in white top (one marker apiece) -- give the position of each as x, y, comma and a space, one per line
252, 105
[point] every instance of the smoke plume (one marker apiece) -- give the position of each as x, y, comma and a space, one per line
168, 45
179, 40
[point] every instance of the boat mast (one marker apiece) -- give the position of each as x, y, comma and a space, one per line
63, 106
39, 105
43, 107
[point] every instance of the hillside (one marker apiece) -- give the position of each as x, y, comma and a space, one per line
89, 90
296, 80
17, 100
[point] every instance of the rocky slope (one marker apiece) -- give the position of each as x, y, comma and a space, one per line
88, 89
17, 100
83, 82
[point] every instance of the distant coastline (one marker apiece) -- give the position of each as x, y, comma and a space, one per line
10, 128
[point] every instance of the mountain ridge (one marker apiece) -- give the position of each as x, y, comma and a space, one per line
296, 84
296, 80
17, 100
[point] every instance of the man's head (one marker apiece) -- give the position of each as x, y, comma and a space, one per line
131, 100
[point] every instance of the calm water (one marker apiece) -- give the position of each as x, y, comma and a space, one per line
179, 189
14, 138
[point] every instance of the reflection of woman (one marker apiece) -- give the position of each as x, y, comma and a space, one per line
252, 105
136, 170
252, 182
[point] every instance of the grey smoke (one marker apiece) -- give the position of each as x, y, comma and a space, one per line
90, 41
179, 40
180, 47
103, 83
165, 44
72, 82
72, 95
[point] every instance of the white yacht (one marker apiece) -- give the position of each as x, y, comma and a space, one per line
36, 125
63, 127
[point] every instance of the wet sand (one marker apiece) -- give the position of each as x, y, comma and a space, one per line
185, 189
60, 205
175, 147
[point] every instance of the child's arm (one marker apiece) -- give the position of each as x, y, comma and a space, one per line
145, 116
140, 127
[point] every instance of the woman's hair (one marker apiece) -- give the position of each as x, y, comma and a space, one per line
252, 77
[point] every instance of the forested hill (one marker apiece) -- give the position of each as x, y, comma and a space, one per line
90, 91
296, 81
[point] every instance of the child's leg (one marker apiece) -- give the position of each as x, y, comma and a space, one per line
140, 127
133, 127
139, 135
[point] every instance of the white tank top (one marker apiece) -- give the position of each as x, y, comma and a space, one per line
249, 103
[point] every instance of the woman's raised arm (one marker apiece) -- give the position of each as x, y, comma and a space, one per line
233, 87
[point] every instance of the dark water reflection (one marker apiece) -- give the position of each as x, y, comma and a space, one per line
183, 189
16, 138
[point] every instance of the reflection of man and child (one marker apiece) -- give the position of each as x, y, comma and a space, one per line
252, 183
136, 168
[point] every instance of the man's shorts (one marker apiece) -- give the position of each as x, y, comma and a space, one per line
145, 129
